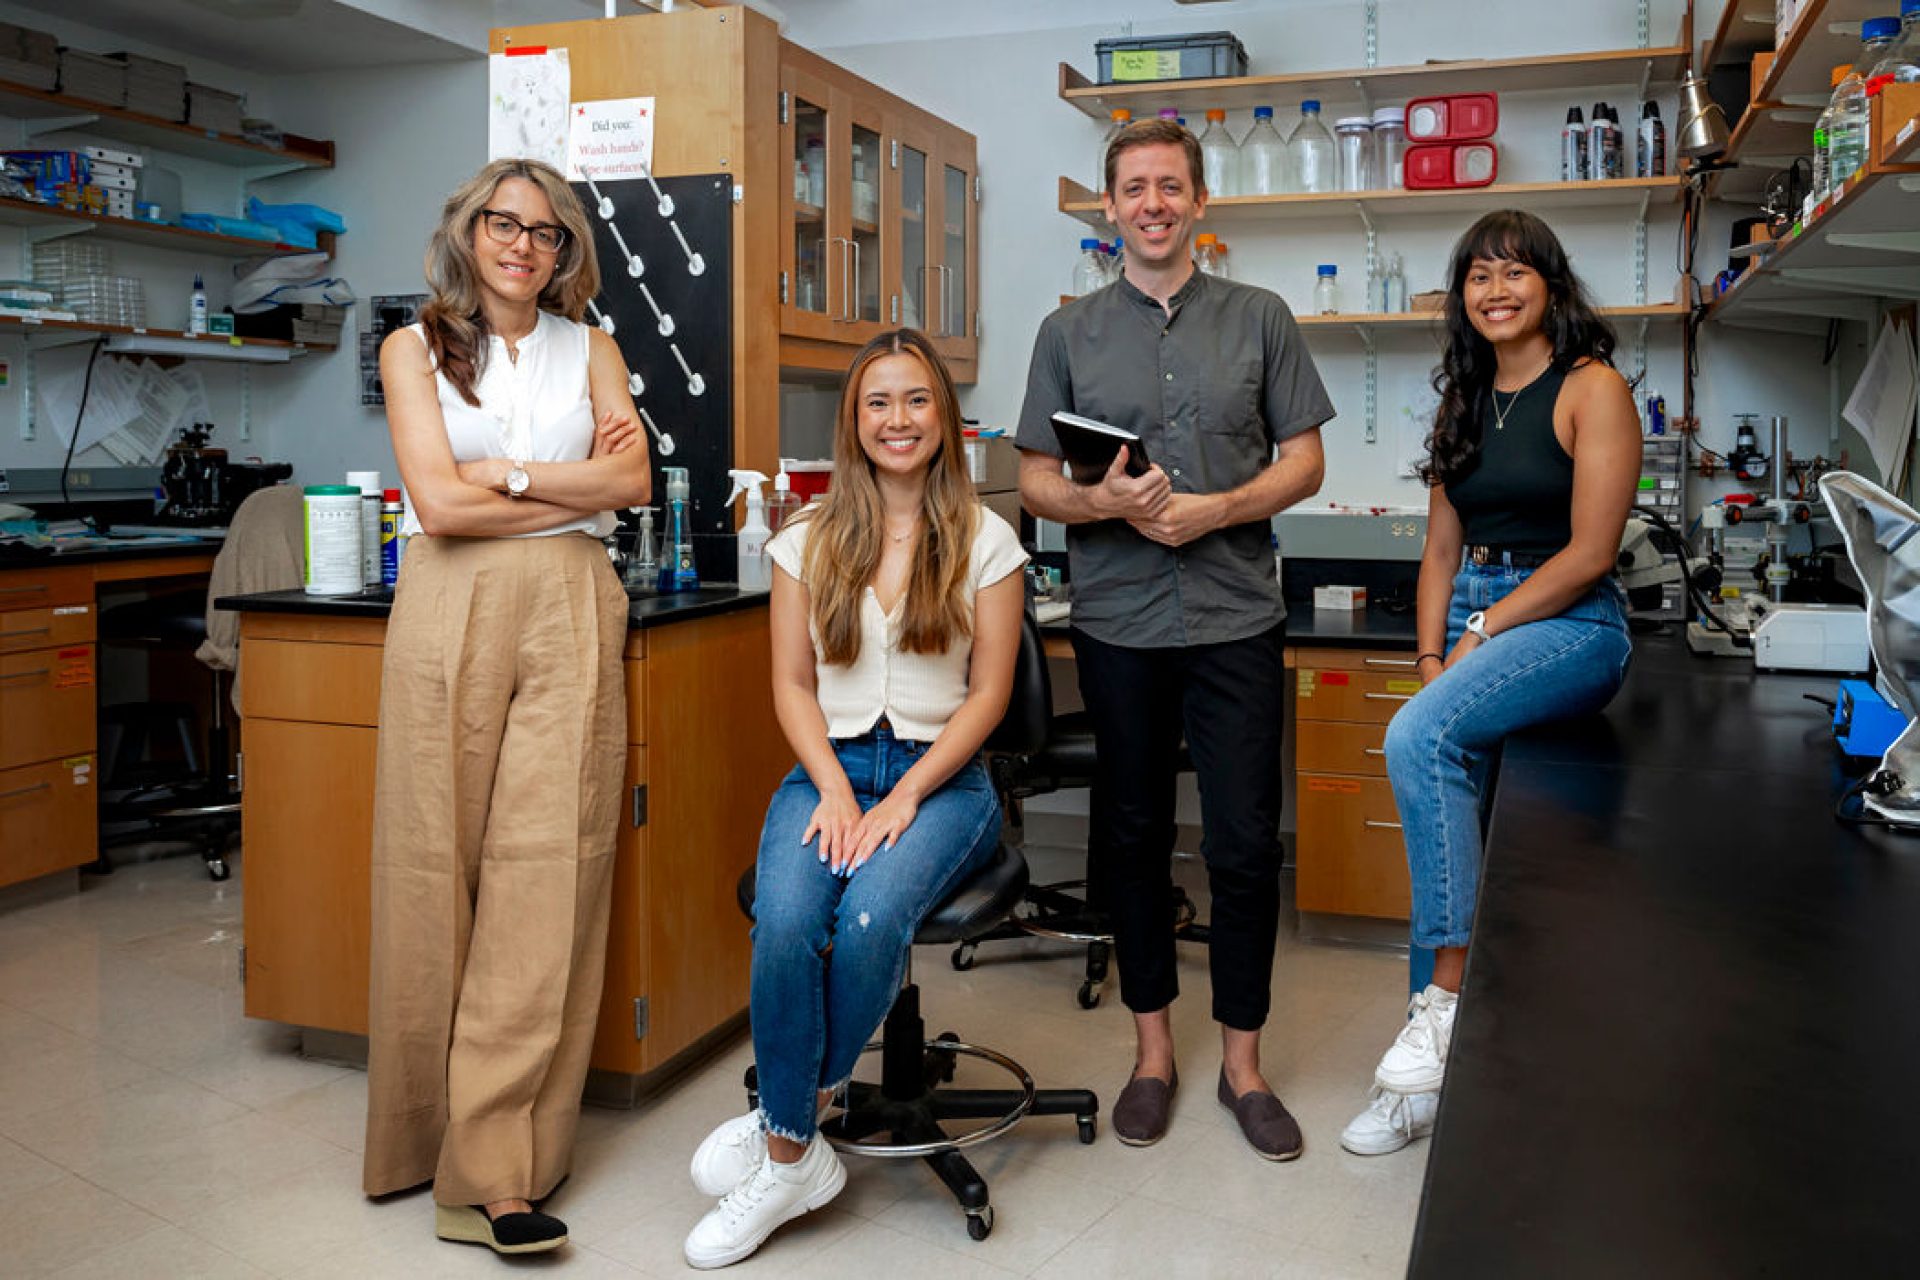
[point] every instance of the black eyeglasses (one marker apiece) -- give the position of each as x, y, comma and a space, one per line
504, 228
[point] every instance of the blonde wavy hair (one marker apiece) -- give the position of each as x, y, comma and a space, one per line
455, 326
847, 527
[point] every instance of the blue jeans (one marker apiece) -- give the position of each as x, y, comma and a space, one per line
1440, 746
829, 951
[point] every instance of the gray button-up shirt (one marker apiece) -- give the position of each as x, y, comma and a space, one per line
1211, 390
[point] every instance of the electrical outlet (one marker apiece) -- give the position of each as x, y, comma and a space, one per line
5, 485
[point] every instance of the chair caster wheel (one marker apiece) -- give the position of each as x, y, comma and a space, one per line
980, 1222
1089, 996
217, 868
1088, 1129
962, 958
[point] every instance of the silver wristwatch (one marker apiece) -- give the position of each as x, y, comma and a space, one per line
518, 480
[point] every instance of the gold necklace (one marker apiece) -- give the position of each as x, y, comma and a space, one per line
1499, 414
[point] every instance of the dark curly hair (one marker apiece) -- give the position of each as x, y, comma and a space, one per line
1464, 377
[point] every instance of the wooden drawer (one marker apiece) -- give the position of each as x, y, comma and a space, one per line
1325, 746
46, 704
46, 818
315, 683
1351, 858
636, 673
1369, 697
54, 626
1386, 661
38, 588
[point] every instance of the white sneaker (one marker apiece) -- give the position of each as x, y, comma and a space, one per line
729, 1154
768, 1196
1390, 1122
1416, 1062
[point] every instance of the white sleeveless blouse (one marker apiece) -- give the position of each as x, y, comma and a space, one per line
534, 409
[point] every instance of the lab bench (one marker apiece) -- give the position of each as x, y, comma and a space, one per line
703, 754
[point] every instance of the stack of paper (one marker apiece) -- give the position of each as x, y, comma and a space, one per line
154, 87
133, 408
29, 57
1881, 407
215, 109
93, 77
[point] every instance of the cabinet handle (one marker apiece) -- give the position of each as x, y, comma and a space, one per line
853, 294
22, 791
1382, 826
846, 288
1392, 662
26, 675
946, 301
26, 590
1375, 751
1389, 697
28, 631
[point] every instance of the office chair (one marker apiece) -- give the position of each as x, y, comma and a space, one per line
911, 1099
1056, 754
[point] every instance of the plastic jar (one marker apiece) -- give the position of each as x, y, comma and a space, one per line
1390, 147
1353, 141
333, 540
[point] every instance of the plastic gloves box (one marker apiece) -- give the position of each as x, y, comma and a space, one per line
1340, 599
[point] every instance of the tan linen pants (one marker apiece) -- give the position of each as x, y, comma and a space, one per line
500, 763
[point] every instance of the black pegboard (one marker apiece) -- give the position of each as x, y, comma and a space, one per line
701, 307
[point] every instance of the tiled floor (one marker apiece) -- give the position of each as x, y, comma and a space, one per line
147, 1129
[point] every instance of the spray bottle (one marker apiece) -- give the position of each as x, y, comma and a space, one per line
676, 571
783, 503
755, 570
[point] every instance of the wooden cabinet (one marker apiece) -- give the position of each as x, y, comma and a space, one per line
48, 678
1351, 860
703, 755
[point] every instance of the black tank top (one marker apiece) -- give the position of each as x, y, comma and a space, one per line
1519, 494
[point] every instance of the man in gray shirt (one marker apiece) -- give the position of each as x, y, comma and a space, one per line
1177, 620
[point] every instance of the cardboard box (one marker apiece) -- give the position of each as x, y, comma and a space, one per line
993, 464
1340, 599
1891, 110
1757, 73
112, 155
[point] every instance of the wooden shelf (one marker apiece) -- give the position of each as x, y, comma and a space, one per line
1081, 203
24, 102
217, 344
804, 212
1432, 320
1864, 247
26, 213
1745, 28
1906, 143
1555, 72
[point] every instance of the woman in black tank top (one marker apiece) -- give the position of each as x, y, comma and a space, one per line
1532, 465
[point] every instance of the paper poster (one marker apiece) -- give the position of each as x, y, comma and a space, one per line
610, 139
1881, 406
527, 95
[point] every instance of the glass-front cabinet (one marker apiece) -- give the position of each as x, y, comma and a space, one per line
957, 313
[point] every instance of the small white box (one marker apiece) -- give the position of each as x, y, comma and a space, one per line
109, 155
114, 178
1344, 599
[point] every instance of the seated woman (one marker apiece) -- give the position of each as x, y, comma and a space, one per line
896, 618
1534, 460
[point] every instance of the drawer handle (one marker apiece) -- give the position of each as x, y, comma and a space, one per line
26, 631
1375, 751
1383, 826
1389, 697
26, 675
29, 588
1392, 662
23, 791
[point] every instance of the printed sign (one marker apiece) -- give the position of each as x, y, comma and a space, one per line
1335, 678
1146, 64
1307, 681
1404, 686
73, 668
610, 139
527, 95
1336, 786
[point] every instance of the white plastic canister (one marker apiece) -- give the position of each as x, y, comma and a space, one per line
371, 492
333, 540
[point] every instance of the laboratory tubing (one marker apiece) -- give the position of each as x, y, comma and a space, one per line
1118, 118
755, 569
332, 540
1088, 273
1354, 142
1219, 157
677, 572
197, 308
1310, 152
392, 515
1573, 147
371, 493
1390, 147
1326, 290
1263, 158
1650, 157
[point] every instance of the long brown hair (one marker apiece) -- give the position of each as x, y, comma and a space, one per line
847, 527
455, 326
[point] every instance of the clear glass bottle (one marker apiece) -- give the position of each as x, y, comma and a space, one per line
1326, 291
1263, 158
1089, 273
1847, 129
1901, 63
1822, 142
1396, 285
1390, 147
1353, 139
1205, 256
1219, 157
1222, 265
1117, 119
1310, 153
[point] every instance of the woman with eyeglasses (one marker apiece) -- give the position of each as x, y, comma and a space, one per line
501, 705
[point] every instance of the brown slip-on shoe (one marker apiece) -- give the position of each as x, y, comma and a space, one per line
1141, 1112
1270, 1130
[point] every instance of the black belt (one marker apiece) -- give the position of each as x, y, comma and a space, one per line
1500, 555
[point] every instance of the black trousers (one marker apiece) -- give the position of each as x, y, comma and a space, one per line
1229, 701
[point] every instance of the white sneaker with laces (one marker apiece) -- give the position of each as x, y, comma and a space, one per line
769, 1195
1416, 1061
729, 1154
1390, 1122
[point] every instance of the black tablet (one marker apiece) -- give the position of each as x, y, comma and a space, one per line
1089, 446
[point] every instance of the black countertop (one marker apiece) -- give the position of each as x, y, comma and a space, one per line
643, 612
131, 550
1371, 628
1688, 1018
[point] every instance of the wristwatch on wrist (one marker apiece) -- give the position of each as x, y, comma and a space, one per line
1477, 624
518, 480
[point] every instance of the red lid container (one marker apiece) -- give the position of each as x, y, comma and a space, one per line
1450, 165
1453, 117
